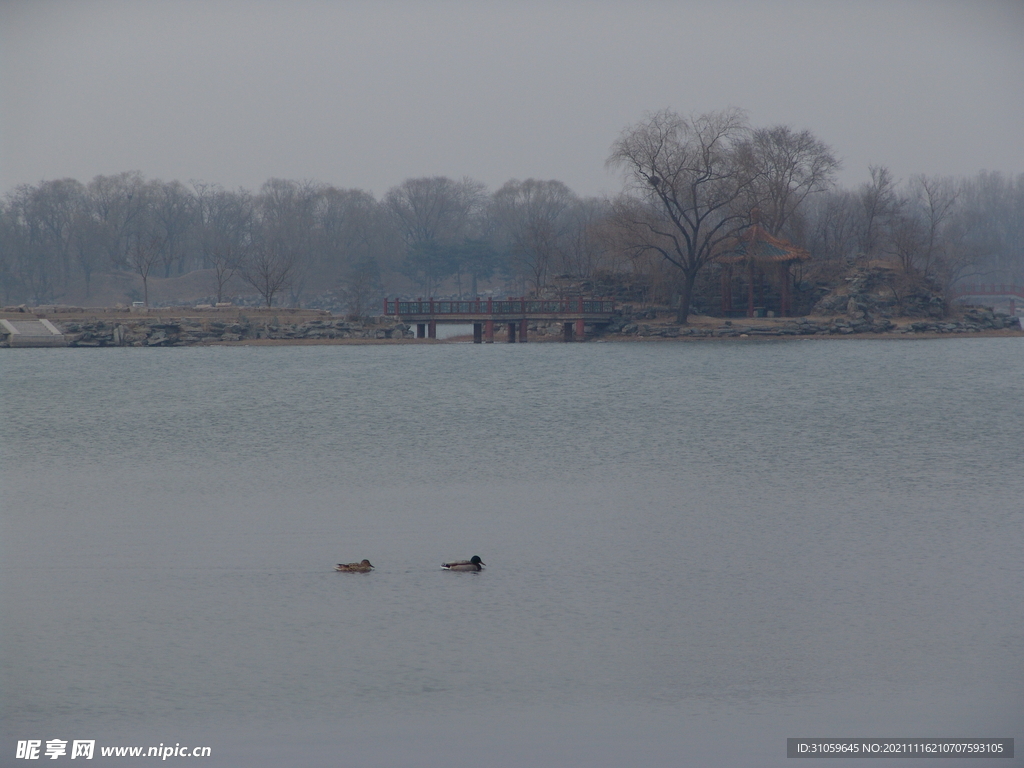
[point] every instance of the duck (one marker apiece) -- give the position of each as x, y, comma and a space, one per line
363, 567
473, 564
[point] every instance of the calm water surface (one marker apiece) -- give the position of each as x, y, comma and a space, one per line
694, 550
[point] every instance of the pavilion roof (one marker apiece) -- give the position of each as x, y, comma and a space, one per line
760, 247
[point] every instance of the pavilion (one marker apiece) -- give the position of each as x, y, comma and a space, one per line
754, 259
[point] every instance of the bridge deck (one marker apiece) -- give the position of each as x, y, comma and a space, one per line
574, 314
501, 310
1001, 290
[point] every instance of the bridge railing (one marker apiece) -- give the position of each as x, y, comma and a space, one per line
989, 289
521, 306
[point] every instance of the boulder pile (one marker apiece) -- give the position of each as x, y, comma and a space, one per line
881, 290
975, 320
145, 332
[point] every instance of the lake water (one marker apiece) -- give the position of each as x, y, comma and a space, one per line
694, 550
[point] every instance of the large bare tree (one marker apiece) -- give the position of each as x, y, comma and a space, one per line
144, 253
685, 184
286, 232
786, 167
534, 222
269, 268
880, 204
226, 235
433, 216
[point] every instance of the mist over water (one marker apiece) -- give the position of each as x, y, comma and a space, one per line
694, 551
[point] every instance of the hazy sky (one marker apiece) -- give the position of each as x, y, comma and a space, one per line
367, 94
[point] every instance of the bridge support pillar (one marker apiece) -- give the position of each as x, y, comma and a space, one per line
566, 331
478, 333
421, 330
580, 332
432, 329
489, 331
522, 331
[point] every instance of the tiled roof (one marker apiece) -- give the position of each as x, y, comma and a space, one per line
760, 247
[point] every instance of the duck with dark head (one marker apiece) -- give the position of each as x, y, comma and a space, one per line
473, 564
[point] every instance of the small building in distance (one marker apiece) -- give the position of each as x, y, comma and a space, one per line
757, 264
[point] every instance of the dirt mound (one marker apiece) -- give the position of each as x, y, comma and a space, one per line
114, 288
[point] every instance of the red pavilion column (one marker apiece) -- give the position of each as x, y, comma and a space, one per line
785, 309
750, 292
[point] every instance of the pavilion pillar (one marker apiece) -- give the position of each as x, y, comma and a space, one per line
750, 292
478, 333
726, 289
580, 328
432, 329
784, 300
522, 331
489, 329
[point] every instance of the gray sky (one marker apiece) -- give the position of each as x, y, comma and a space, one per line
367, 94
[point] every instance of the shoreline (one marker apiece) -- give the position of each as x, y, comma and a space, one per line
234, 326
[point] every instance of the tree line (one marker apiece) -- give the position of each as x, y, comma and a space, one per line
691, 184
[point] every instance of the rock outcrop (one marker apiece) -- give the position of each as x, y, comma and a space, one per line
146, 332
974, 320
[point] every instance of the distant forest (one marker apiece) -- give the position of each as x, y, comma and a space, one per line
690, 185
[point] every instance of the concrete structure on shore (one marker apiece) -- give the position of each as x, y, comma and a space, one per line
33, 333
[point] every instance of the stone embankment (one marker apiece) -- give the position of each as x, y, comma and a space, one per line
973, 321
180, 332
119, 328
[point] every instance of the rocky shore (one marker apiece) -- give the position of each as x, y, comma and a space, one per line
974, 320
119, 329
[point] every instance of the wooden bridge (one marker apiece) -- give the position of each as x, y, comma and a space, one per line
514, 313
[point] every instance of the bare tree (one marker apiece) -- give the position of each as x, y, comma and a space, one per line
533, 219
880, 203
55, 207
88, 246
433, 215
360, 287
833, 221
685, 185
787, 167
144, 253
118, 202
996, 202
268, 269
939, 199
174, 211
586, 242
286, 232
224, 222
